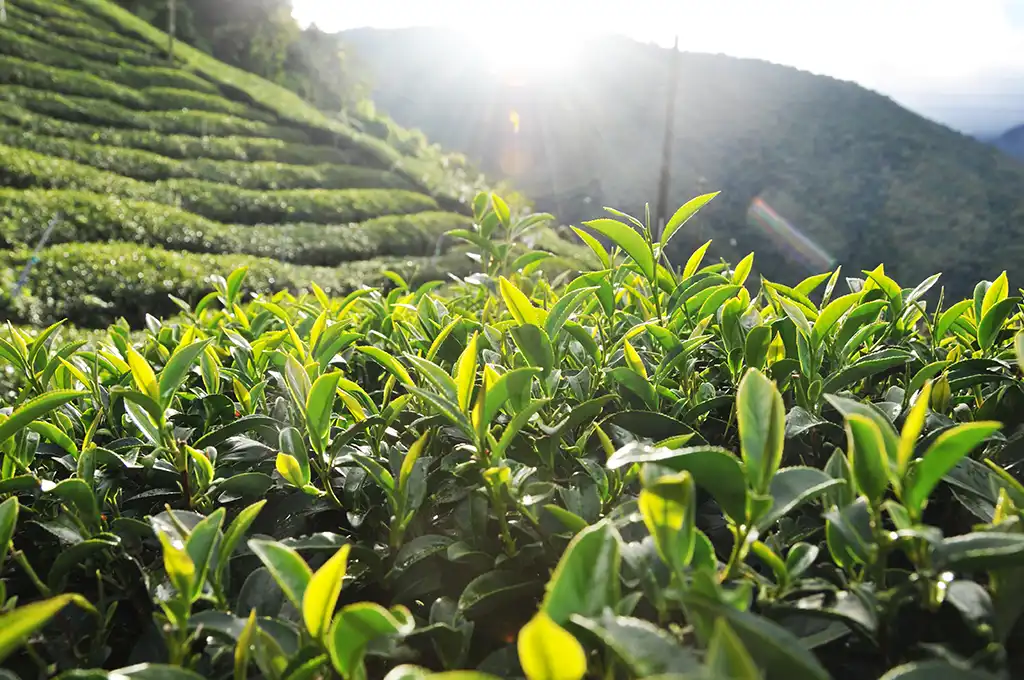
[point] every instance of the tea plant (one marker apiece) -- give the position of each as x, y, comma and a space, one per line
640, 470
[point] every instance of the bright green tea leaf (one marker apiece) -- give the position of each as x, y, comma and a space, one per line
549, 652
939, 458
289, 569
761, 416
629, 240
322, 593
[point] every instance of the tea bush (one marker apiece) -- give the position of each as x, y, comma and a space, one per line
226, 203
270, 175
94, 284
101, 112
34, 43
634, 471
223, 202
26, 169
150, 167
183, 146
41, 11
89, 217
15, 71
79, 24
173, 98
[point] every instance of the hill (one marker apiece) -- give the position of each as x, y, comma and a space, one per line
812, 169
158, 176
1011, 142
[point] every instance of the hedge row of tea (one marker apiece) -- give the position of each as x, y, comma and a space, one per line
632, 472
123, 153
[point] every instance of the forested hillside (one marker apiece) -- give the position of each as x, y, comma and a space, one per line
260, 36
812, 170
1012, 142
157, 176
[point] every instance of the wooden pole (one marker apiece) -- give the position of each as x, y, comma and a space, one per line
661, 216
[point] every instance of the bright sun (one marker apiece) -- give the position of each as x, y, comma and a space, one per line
523, 48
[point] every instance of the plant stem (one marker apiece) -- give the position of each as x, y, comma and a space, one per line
656, 294
499, 510
22, 561
740, 533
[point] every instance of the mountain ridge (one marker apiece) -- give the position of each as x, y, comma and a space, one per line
1011, 142
842, 167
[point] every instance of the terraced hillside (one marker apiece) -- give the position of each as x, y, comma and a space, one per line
159, 176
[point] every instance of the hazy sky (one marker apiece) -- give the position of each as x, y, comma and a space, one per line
953, 59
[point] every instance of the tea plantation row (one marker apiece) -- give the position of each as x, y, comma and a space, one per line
126, 153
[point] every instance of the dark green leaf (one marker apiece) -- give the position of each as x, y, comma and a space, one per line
586, 579
642, 646
792, 487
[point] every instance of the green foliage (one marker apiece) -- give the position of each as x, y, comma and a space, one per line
150, 167
181, 146
89, 217
94, 284
353, 478
171, 98
78, 109
15, 71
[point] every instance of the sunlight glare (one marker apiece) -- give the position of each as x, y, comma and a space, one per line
528, 44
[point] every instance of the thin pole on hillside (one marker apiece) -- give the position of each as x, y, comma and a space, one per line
3, 11
661, 216
23, 279
171, 18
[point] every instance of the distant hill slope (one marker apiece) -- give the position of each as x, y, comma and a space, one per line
163, 175
812, 169
1011, 142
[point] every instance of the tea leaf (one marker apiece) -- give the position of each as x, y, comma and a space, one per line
940, 458
176, 369
912, 429
681, 216
519, 306
793, 487
626, 238
549, 652
668, 507
465, 373
586, 579
289, 570
867, 456
142, 374
322, 592
16, 626
234, 534
535, 345
34, 409
8, 522
318, 409
244, 647
727, 657
772, 647
357, 626
388, 362
762, 424
643, 647
181, 571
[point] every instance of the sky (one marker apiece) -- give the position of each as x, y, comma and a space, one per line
958, 61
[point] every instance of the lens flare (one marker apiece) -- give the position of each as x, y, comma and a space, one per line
786, 234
